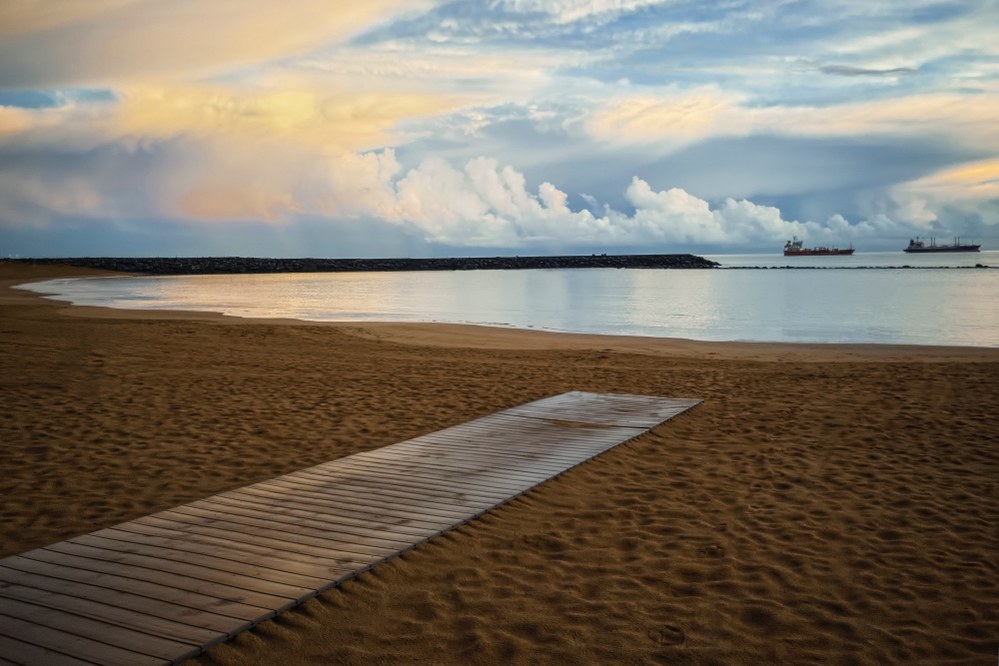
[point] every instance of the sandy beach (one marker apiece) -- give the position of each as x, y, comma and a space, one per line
825, 504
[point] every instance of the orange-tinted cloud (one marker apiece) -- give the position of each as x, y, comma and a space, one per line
203, 153
33, 16
979, 180
675, 118
694, 115
72, 43
319, 119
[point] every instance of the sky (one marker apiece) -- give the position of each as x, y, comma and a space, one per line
494, 127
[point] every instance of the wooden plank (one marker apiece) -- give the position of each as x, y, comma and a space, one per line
521, 432
74, 645
383, 521
609, 409
500, 438
146, 623
211, 623
322, 511
165, 569
340, 551
328, 528
421, 508
160, 553
553, 457
443, 496
236, 533
495, 438
216, 558
293, 513
162, 587
374, 509
524, 427
485, 473
445, 476
206, 588
426, 510
407, 484
520, 465
358, 513
294, 561
227, 607
434, 476
544, 438
477, 474
354, 544
391, 476
445, 446
20, 653
444, 473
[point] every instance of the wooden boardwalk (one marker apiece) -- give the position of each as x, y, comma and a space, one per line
163, 588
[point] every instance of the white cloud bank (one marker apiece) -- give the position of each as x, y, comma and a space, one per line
480, 205
208, 155
568, 11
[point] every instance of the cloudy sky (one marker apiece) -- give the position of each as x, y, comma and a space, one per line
423, 128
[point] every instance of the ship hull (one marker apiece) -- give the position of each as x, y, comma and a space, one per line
943, 248
818, 253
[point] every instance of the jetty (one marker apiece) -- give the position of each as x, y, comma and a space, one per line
236, 265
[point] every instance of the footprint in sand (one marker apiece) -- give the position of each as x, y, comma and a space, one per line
713, 550
667, 634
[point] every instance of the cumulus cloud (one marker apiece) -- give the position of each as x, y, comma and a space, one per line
207, 155
481, 204
486, 205
195, 153
202, 155
967, 192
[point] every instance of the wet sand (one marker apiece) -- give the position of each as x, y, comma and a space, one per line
825, 504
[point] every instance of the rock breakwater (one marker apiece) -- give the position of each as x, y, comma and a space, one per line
220, 265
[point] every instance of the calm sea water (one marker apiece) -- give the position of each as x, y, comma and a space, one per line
933, 305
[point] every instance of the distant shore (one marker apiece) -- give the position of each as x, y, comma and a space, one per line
258, 265
228, 265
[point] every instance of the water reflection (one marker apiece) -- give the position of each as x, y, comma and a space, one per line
956, 307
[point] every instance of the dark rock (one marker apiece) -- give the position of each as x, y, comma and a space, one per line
220, 265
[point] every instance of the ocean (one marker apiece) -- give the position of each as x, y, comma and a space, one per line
865, 298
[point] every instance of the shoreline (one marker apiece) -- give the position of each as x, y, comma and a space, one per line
484, 336
821, 505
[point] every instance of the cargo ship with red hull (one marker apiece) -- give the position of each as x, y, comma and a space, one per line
917, 246
794, 248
